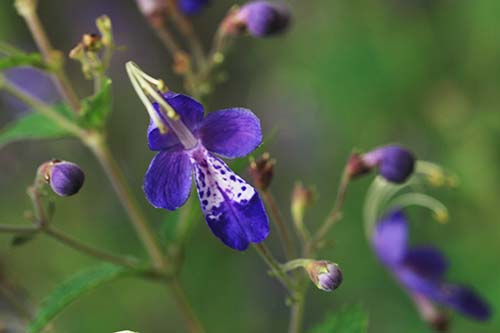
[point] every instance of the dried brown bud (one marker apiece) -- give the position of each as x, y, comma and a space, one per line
356, 166
262, 171
182, 63
91, 42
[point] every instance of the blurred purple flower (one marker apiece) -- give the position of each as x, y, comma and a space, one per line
192, 7
37, 83
421, 269
232, 208
258, 18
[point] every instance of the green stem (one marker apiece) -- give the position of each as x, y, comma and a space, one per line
98, 146
297, 313
284, 235
186, 29
265, 254
335, 213
27, 9
192, 322
42, 108
14, 229
89, 250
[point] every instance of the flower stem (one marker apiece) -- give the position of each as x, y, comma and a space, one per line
42, 108
335, 213
297, 313
27, 9
265, 254
186, 29
98, 146
192, 322
145, 233
285, 239
89, 250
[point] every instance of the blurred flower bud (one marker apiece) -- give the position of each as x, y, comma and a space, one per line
154, 10
258, 18
394, 163
192, 7
324, 274
262, 171
105, 28
302, 198
65, 178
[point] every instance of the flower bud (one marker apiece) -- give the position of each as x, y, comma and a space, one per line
258, 18
302, 198
324, 274
154, 10
65, 178
262, 171
394, 163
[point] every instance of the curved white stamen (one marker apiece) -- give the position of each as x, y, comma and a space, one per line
142, 85
131, 71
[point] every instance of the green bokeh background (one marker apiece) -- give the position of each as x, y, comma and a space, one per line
349, 74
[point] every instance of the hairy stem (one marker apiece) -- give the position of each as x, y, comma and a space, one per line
27, 9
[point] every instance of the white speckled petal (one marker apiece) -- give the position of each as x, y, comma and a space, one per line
232, 208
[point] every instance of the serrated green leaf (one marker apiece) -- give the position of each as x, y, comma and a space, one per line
351, 319
96, 108
33, 126
71, 289
22, 59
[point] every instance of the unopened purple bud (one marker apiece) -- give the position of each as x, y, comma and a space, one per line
65, 178
324, 274
259, 18
394, 163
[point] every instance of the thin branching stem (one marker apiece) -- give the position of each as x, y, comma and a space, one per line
27, 9
277, 216
266, 255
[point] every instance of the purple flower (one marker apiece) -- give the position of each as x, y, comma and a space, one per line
192, 7
259, 18
421, 269
232, 208
65, 178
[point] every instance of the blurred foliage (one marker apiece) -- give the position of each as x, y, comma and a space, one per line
349, 74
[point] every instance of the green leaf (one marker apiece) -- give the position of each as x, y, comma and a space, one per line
96, 108
71, 289
22, 59
33, 126
351, 319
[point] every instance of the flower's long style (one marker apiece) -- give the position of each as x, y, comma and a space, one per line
187, 141
421, 269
